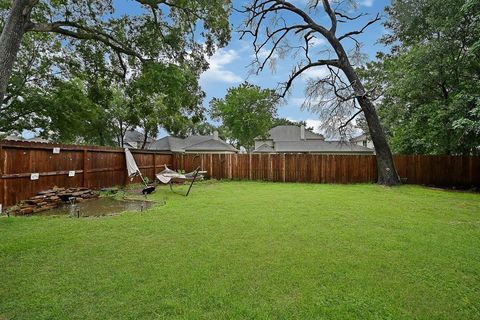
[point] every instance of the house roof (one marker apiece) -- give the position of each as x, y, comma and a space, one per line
135, 136
211, 145
290, 133
320, 147
264, 148
39, 139
13, 138
191, 143
315, 146
168, 144
361, 137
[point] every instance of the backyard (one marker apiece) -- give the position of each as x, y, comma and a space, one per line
245, 250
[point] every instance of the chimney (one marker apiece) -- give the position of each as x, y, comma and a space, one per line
302, 132
215, 135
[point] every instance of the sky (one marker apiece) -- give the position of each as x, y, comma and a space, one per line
230, 65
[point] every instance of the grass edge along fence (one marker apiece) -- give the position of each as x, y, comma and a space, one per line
95, 167
435, 170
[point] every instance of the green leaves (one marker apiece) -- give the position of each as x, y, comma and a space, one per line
90, 58
430, 82
247, 111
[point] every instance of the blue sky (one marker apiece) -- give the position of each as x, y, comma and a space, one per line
229, 66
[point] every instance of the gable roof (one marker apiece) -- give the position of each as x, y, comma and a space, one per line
211, 145
13, 138
321, 147
290, 133
264, 148
314, 146
135, 136
361, 137
168, 143
191, 143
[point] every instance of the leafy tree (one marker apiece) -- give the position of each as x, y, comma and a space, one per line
135, 70
173, 102
176, 31
71, 113
286, 30
288, 122
429, 84
247, 111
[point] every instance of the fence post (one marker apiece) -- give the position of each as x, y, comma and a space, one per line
283, 168
270, 168
85, 165
250, 167
2, 172
154, 165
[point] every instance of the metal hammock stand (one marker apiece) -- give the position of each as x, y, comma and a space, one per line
169, 177
134, 171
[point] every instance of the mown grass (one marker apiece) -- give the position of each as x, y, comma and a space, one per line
247, 250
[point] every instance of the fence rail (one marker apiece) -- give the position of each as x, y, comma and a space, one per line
450, 171
97, 167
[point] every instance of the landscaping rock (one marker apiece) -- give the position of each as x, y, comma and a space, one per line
52, 198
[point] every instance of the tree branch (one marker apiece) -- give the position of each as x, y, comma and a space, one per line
357, 32
331, 14
84, 33
350, 120
296, 74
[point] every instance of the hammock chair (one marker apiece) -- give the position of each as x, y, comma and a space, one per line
168, 176
133, 172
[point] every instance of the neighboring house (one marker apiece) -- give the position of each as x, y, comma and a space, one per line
297, 139
13, 138
134, 139
363, 140
193, 144
39, 139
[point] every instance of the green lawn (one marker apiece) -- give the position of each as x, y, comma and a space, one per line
247, 250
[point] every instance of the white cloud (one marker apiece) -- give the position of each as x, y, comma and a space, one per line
295, 102
311, 123
218, 71
316, 42
264, 53
366, 3
315, 72
315, 124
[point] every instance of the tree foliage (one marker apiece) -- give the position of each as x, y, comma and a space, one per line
133, 69
429, 84
248, 111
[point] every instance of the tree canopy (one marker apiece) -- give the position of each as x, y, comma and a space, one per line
247, 111
429, 83
131, 69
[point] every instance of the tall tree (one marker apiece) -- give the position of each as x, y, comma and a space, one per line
172, 103
429, 83
280, 28
164, 31
247, 111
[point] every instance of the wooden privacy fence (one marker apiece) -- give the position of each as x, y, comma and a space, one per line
449, 171
94, 167
97, 167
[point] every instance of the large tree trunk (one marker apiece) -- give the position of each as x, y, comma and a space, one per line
11, 39
387, 174
145, 137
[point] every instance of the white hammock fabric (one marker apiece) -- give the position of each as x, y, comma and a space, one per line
168, 175
132, 167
